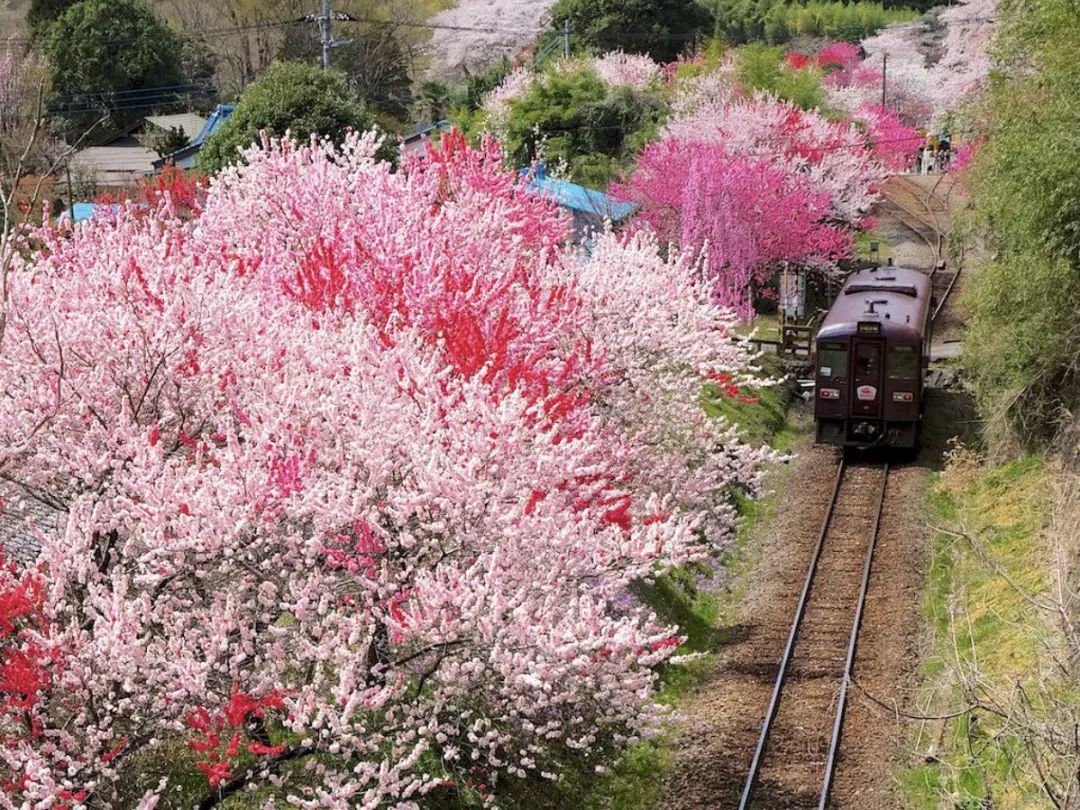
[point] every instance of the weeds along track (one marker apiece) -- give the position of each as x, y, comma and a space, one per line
799, 742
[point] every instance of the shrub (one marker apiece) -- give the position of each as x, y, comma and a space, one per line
289, 97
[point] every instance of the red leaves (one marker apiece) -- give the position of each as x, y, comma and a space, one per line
535, 497
619, 515
261, 750
155, 435
322, 283
216, 772
27, 665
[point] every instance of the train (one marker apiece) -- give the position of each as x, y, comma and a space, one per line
870, 355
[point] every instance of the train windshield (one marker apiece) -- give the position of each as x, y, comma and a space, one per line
903, 363
832, 360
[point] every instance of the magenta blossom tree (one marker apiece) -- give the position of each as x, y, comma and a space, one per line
351, 471
753, 183
746, 216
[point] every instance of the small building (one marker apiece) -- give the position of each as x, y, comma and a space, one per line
589, 208
415, 140
122, 160
187, 157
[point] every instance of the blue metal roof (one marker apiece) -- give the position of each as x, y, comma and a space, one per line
575, 197
186, 158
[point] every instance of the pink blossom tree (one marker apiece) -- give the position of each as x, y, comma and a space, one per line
351, 467
746, 215
753, 183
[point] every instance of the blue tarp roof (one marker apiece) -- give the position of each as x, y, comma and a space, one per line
577, 198
84, 210
185, 158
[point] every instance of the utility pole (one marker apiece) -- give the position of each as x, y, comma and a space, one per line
326, 31
884, 63
566, 37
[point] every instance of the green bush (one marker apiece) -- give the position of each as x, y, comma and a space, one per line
779, 21
289, 96
98, 48
760, 68
1024, 338
661, 28
577, 121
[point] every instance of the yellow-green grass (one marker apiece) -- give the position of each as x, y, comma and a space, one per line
988, 557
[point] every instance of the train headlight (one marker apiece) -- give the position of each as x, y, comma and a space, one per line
903, 396
829, 393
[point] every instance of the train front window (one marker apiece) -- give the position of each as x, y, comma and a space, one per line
866, 359
903, 363
832, 360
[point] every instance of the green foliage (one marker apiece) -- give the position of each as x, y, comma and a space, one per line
98, 48
289, 96
1024, 338
760, 68
374, 64
575, 120
780, 21
661, 28
483, 83
43, 13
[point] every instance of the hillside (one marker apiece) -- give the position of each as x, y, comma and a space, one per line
496, 28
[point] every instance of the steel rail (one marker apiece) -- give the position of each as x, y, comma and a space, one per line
935, 226
849, 663
936, 245
785, 660
945, 295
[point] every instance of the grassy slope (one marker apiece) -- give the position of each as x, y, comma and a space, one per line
979, 622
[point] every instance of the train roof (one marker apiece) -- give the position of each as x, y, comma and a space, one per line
896, 297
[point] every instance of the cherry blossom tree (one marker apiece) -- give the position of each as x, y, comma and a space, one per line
747, 215
630, 69
753, 182
833, 156
352, 466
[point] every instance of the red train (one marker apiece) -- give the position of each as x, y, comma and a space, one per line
870, 355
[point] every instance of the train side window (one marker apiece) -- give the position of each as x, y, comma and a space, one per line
904, 363
832, 360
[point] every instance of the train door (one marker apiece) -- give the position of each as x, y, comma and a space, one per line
866, 379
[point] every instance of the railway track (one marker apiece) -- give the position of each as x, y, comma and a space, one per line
926, 213
799, 742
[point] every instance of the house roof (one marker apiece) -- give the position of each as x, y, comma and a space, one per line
188, 123
427, 129
122, 161
185, 158
577, 198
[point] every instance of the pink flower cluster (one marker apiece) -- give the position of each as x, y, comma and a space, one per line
753, 183
354, 465
629, 69
920, 90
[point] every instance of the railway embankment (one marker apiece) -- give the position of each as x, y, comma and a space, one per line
998, 705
